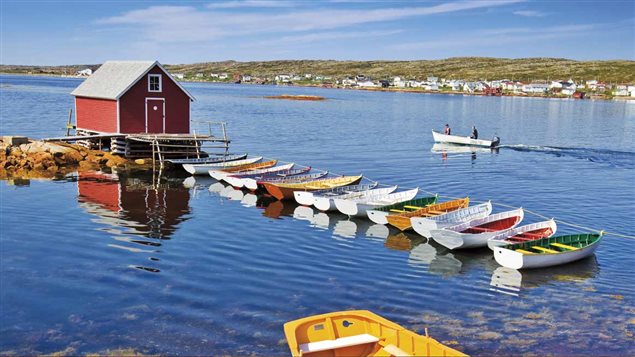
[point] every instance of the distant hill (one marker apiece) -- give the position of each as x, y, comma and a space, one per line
468, 68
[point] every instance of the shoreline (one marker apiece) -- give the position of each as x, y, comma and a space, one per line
395, 90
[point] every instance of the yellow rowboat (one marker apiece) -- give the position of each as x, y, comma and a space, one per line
401, 220
220, 173
284, 191
358, 333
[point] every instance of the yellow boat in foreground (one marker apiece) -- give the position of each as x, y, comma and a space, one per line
358, 333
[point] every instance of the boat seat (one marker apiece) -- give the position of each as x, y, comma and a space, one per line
397, 210
395, 351
436, 212
560, 245
337, 343
546, 250
524, 251
482, 229
412, 207
530, 235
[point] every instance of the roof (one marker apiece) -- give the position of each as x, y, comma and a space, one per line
114, 78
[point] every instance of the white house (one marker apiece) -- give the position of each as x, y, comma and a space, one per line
178, 75
431, 86
349, 82
555, 85
223, 76
567, 91
432, 79
85, 72
398, 82
631, 90
621, 90
535, 88
366, 84
214, 75
245, 78
308, 75
285, 78
199, 75
592, 84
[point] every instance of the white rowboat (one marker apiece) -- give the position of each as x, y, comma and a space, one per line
235, 179
462, 140
358, 207
203, 169
475, 233
526, 233
423, 225
547, 252
306, 198
327, 203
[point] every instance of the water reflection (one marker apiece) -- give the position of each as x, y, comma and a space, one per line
449, 150
135, 206
511, 281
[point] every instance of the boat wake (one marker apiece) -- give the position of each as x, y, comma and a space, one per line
620, 159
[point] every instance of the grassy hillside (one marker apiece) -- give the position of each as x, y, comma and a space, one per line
469, 68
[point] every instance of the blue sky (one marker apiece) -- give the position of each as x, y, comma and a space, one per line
58, 32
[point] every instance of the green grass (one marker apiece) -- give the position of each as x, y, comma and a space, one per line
468, 68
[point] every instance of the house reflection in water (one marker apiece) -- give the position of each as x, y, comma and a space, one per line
140, 215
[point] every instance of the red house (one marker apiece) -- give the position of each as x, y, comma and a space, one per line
132, 97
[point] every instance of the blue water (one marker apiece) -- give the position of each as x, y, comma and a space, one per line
96, 262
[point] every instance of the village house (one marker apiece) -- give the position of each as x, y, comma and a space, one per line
432, 79
199, 75
349, 82
214, 75
592, 84
85, 72
535, 88
132, 97
223, 76
308, 75
631, 90
367, 84
180, 76
621, 90
398, 82
245, 78
284, 78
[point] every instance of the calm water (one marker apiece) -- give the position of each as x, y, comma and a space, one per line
99, 261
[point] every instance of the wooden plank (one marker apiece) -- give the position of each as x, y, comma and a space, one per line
546, 250
560, 245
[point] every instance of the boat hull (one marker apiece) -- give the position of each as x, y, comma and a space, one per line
460, 140
359, 207
424, 225
358, 333
515, 260
286, 193
327, 203
203, 169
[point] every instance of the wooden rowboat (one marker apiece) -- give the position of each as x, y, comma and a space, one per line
284, 191
327, 203
208, 160
307, 198
203, 169
475, 233
378, 215
219, 174
401, 220
358, 333
254, 183
462, 140
423, 225
526, 233
236, 178
547, 252
357, 207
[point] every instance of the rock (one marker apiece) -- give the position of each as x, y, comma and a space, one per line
15, 140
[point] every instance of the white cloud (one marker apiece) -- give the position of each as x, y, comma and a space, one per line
501, 36
250, 3
186, 23
529, 13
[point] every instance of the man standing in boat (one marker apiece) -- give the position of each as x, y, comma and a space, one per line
447, 130
474, 133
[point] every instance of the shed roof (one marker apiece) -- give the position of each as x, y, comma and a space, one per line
114, 78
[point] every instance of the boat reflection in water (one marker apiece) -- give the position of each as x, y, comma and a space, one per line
134, 206
511, 281
444, 149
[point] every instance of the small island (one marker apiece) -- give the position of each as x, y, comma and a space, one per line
295, 97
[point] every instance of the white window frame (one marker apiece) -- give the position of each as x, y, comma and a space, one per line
160, 83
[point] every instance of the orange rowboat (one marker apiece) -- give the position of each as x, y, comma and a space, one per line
284, 191
402, 220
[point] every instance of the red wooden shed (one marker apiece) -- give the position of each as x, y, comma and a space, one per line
132, 97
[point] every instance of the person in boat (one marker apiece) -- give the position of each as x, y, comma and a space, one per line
474, 133
447, 130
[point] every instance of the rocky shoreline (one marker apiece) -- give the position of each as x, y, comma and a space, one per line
40, 159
